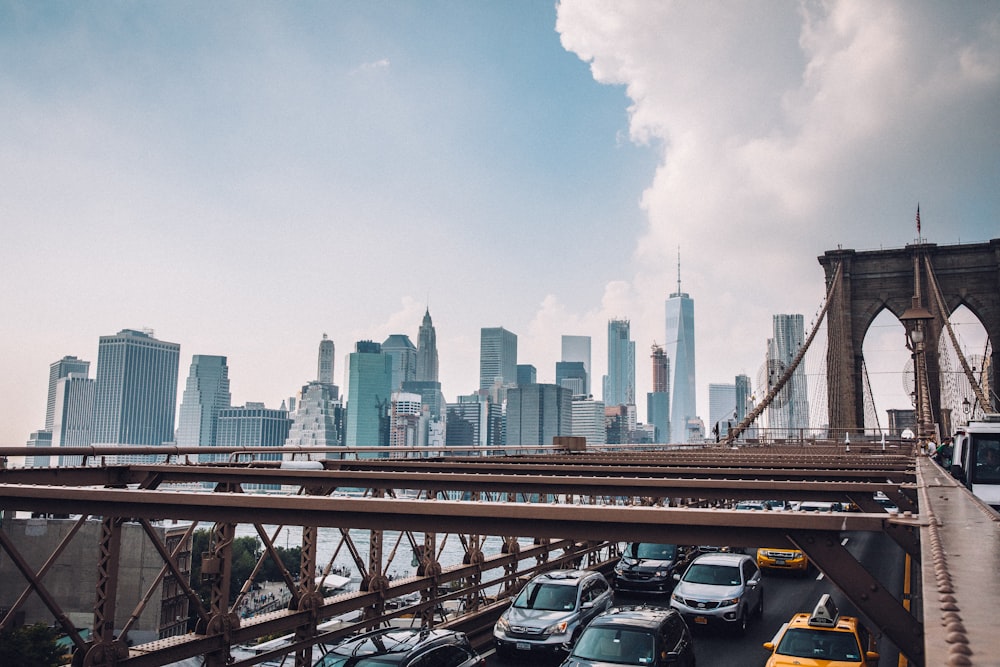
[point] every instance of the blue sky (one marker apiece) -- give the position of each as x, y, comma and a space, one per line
244, 177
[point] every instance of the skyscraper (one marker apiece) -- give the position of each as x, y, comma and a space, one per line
136, 389
427, 353
369, 392
74, 415
577, 348
573, 376
619, 383
680, 350
536, 413
60, 369
205, 394
790, 408
324, 370
721, 408
588, 420
497, 358
526, 374
404, 359
474, 420
658, 400
254, 425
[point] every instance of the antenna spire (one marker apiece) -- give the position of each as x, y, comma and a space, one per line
678, 269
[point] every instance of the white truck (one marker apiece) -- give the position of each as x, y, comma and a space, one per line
975, 460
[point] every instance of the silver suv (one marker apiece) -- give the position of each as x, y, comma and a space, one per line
550, 611
720, 588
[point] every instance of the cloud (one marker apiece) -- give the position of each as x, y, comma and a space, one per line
375, 65
785, 130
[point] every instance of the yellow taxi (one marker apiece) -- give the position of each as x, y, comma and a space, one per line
782, 559
823, 638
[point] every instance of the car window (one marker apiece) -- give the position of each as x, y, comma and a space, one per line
442, 656
548, 597
598, 587
819, 645
624, 646
716, 575
749, 570
655, 551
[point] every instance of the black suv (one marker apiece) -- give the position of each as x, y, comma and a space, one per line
649, 568
404, 647
643, 635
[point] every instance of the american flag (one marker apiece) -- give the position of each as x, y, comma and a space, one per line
918, 220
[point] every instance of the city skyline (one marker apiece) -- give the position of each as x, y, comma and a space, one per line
201, 173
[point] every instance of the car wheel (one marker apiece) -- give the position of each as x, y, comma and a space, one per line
760, 606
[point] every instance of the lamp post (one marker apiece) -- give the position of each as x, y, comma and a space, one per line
914, 320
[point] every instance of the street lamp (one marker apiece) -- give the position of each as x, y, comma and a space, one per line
914, 320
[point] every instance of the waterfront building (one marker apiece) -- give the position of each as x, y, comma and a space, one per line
41, 438
536, 413
474, 420
721, 408
404, 359
680, 350
526, 374
588, 420
325, 361
318, 420
74, 415
205, 394
497, 359
369, 392
789, 411
619, 383
616, 424
658, 400
57, 371
427, 352
135, 397
405, 420
573, 376
254, 425
577, 348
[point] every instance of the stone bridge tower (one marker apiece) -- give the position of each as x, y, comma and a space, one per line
967, 274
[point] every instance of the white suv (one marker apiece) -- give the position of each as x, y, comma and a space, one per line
550, 611
720, 588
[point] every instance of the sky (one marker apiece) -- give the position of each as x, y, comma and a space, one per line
243, 177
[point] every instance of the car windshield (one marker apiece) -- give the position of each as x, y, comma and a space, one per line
820, 645
654, 551
622, 646
547, 597
717, 575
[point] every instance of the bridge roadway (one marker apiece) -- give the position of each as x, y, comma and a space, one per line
604, 498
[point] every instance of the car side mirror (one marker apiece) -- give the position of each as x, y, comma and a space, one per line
677, 577
769, 646
587, 605
871, 656
958, 472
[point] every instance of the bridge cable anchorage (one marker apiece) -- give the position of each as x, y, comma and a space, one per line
790, 370
936, 292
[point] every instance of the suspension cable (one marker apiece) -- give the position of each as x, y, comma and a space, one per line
945, 315
780, 384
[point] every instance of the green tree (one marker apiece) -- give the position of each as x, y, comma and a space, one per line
30, 646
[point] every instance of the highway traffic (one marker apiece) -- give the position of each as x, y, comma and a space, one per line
786, 593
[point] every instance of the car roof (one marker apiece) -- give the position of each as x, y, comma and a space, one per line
564, 577
394, 640
634, 616
721, 558
848, 623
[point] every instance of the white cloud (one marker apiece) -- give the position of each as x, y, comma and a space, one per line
784, 130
